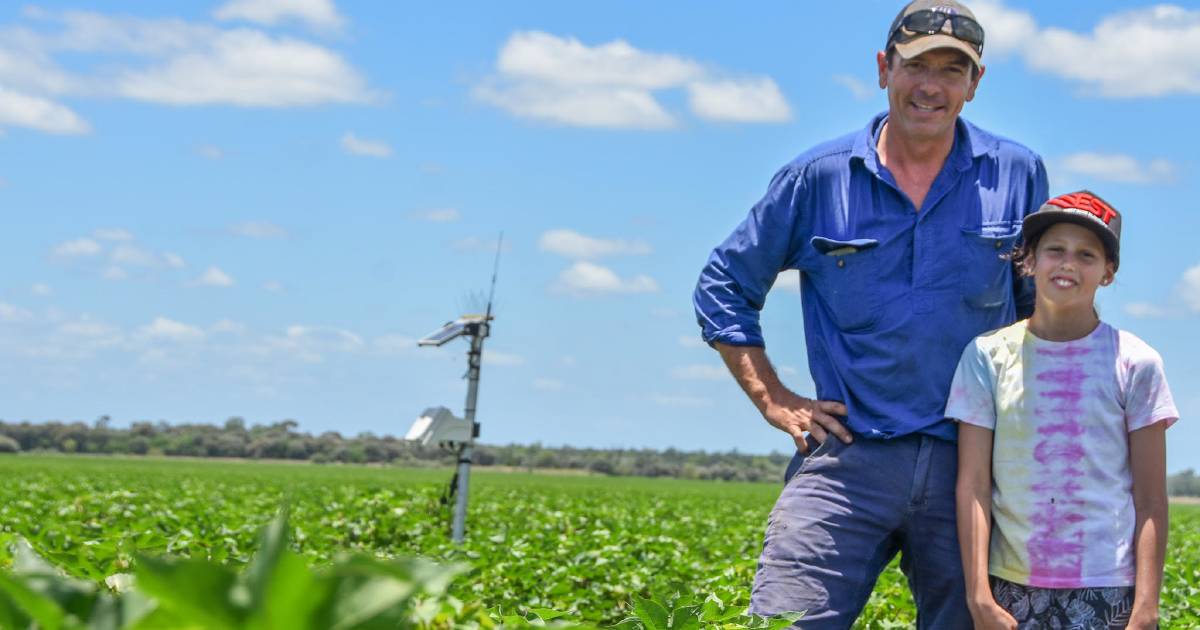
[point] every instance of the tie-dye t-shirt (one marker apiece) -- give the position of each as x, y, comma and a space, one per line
1062, 502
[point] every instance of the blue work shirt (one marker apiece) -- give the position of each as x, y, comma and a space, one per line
890, 295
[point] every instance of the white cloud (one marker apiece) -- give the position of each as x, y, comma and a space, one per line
681, 401
258, 229
1185, 299
35, 112
547, 384
77, 247
164, 60
507, 359
10, 314
174, 261
700, 372
228, 326
320, 14
166, 329
394, 344
210, 152
1146, 52
567, 61
860, 90
438, 215
251, 69
214, 277
1189, 288
575, 245
787, 280
311, 343
612, 85
42, 290
125, 254
354, 145
585, 278
89, 328
1148, 310
1007, 29
692, 341
580, 106
113, 272
1116, 167
741, 100
112, 234
274, 286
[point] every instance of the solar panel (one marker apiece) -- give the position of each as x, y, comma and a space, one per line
444, 334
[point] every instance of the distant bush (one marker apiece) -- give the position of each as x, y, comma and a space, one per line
283, 440
9, 445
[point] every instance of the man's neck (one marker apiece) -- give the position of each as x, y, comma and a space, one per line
899, 151
913, 162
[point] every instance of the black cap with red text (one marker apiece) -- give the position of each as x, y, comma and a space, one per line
1082, 208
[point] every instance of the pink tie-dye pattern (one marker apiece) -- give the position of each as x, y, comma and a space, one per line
1056, 546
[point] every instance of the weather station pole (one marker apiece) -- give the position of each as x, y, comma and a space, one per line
474, 360
438, 426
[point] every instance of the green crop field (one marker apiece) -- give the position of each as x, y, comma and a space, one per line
588, 546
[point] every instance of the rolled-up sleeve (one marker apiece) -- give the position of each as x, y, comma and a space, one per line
734, 283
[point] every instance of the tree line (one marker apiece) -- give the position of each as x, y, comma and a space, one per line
282, 440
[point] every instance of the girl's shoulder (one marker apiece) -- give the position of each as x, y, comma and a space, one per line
1001, 340
1132, 350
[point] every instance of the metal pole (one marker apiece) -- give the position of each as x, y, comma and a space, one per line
474, 359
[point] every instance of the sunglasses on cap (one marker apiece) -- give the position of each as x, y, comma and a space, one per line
929, 22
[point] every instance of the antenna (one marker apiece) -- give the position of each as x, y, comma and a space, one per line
437, 424
495, 270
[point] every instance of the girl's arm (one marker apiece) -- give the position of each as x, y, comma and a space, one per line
974, 509
1148, 459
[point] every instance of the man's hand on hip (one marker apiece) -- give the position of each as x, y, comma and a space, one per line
783, 408
796, 415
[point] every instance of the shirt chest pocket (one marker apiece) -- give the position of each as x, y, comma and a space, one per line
845, 276
985, 269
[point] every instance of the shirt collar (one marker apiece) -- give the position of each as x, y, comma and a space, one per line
970, 142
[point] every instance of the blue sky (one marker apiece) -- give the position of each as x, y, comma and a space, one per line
255, 207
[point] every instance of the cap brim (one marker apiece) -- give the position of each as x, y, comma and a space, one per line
920, 45
1040, 221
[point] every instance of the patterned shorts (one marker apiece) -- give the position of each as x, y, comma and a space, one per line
1101, 608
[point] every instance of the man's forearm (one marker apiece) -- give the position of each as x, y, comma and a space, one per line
753, 371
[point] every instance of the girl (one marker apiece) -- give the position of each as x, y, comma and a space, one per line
1062, 506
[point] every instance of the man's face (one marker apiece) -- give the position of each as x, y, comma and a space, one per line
926, 93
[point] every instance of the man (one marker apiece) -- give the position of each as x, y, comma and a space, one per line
899, 232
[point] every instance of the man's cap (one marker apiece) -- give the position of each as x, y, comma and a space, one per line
943, 39
1082, 208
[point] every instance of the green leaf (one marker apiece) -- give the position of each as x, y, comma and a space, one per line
651, 613
784, 620
42, 610
11, 615
272, 542
291, 597
685, 618
192, 588
547, 614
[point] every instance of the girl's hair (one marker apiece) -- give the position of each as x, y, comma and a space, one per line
1022, 255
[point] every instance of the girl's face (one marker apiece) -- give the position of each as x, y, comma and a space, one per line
1069, 264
